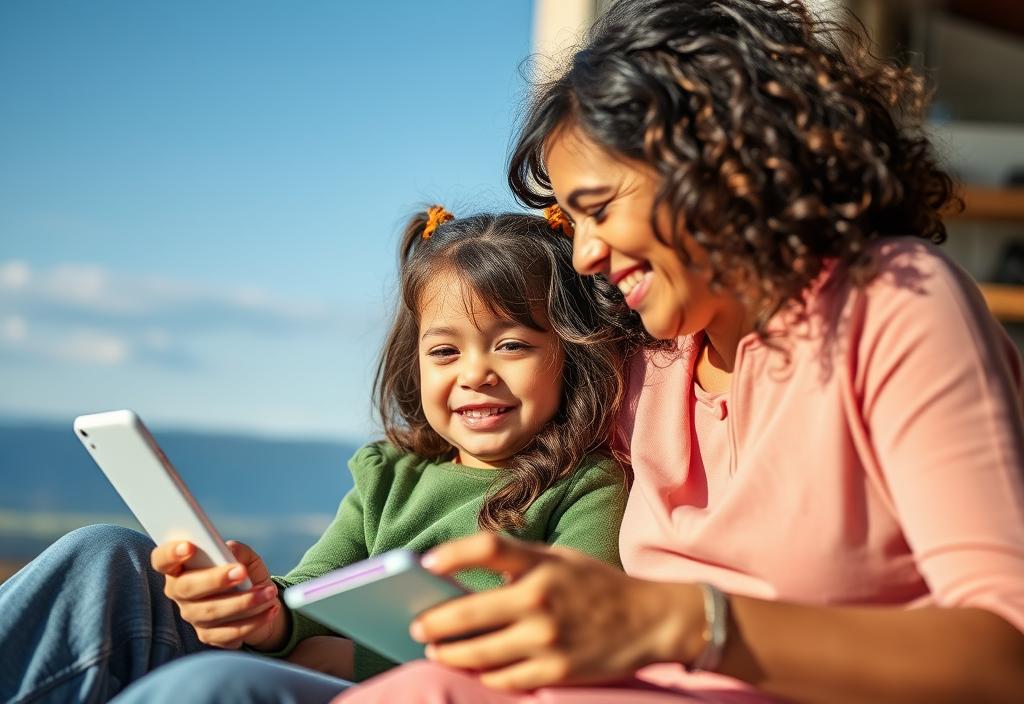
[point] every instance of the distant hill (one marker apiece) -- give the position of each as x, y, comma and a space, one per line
277, 495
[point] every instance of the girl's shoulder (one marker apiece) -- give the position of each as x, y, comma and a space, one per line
381, 459
596, 471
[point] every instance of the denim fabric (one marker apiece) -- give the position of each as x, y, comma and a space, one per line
229, 677
88, 617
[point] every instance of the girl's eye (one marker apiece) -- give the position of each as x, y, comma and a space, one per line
513, 346
600, 213
442, 352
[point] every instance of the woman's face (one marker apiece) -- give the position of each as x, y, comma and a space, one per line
610, 201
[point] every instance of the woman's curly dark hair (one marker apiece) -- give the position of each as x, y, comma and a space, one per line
779, 141
519, 267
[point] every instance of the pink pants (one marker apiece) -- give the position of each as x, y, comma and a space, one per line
424, 682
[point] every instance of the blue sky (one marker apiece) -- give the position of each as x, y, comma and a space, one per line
200, 202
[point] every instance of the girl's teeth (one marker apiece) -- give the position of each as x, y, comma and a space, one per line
483, 412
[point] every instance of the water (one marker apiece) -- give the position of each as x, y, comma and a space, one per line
276, 495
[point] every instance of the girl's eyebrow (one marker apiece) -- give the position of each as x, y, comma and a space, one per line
444, 331
574, 197
438, 332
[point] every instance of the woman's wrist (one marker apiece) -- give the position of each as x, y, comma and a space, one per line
680, 613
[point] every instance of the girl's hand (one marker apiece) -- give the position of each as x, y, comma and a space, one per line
563, 617
207, 599
331, 655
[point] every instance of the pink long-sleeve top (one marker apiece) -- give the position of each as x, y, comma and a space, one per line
880, 463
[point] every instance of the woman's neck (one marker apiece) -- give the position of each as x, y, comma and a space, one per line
731, 324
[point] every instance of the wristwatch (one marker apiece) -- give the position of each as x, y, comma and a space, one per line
716, 628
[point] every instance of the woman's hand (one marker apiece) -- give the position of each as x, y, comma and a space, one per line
207, 599
563, 617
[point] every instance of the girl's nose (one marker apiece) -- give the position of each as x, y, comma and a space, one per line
477, 374
589, 254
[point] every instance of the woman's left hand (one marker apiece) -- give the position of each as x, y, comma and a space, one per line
562, 617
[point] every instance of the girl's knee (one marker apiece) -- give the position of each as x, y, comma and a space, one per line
105, 537
107, 551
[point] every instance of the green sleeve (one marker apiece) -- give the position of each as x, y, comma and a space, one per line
343, 543
588, 517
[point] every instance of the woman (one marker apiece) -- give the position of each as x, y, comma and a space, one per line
834, 440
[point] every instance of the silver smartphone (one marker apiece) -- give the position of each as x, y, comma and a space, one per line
374, 601
143, 476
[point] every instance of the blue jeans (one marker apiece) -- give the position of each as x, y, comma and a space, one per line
88, 618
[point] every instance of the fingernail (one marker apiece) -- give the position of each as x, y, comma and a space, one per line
268, 593
181, 550
428, 560
430, 652
417, 632
236, 574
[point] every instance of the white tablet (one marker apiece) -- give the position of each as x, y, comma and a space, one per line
144, 477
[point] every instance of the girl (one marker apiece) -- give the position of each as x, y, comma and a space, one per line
495, 388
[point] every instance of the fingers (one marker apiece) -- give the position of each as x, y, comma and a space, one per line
494, 552
250, 559
201, 583
232, 635
211, 613
530, 674
483, 611
170, 558
523, 639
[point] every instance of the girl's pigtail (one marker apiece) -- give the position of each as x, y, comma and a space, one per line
421, 227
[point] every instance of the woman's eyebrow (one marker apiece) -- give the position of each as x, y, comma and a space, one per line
574, 197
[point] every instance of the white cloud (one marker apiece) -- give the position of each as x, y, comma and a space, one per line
93, 295
14, 274
13, 329
94, 348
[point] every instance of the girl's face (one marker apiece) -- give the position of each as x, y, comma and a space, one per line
488, 385
610, 201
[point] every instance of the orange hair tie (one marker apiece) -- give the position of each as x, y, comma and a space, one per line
436, 214
557, 219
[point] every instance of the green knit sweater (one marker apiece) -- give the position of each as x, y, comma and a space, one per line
401, 500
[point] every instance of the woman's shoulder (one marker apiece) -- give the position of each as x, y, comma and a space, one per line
908, 279
918, 305
913, 268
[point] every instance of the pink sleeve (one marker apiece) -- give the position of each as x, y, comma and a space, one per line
940, 387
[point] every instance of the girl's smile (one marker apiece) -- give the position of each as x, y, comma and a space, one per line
482, 417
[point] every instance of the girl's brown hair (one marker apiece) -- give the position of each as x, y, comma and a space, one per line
517, 265
778, 141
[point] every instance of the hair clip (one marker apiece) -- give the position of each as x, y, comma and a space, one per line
436, 214
557, 219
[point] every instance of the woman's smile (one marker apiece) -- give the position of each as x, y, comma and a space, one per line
634, 283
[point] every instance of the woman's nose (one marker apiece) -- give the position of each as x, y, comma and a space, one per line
589, 254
